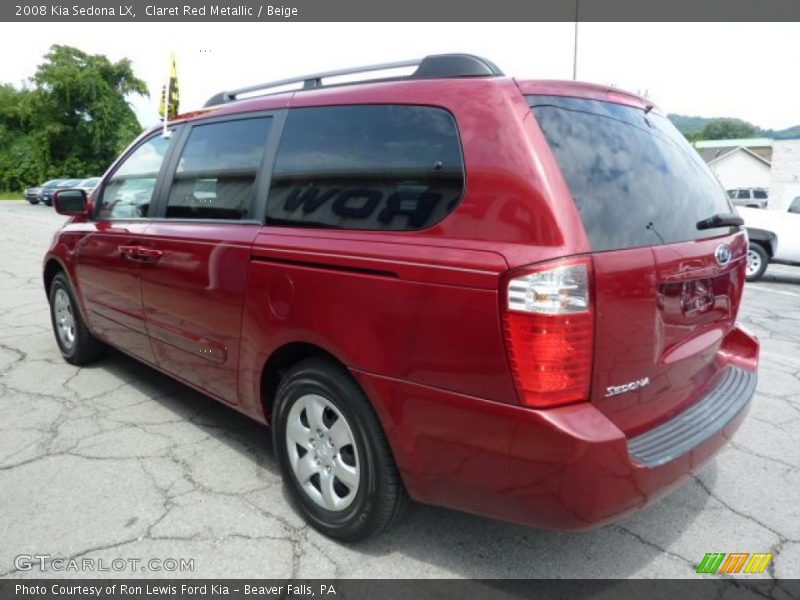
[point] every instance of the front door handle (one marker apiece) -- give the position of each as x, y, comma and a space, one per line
148, 255
140, 253
128, 252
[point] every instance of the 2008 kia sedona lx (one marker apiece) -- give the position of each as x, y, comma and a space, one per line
514, 298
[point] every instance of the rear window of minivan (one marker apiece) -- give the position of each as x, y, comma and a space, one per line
635, 179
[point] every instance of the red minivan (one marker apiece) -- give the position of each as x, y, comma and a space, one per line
514, 298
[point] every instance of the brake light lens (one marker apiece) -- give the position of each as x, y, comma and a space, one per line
549, 330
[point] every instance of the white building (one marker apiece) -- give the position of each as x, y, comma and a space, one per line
784, 183
744, 163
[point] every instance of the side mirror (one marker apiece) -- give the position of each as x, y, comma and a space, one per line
72, 203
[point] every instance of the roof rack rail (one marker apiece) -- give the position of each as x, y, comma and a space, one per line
430, 67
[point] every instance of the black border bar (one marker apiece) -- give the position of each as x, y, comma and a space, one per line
699, 588
398, 10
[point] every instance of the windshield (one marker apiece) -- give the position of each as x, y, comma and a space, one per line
92, 182
70, 183
52, 183
635, 179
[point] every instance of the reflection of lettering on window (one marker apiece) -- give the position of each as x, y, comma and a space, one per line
362, 203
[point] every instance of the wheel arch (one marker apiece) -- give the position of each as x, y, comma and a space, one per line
281, 360
764, 238
53, 267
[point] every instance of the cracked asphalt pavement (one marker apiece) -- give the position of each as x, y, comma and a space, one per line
118, 461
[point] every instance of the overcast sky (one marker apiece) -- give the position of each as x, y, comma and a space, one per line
750, 71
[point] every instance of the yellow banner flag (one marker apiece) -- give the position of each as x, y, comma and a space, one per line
170, 97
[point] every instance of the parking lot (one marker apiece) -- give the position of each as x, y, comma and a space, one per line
119, 461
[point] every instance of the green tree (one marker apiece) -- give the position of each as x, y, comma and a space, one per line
80, 110
728, 129
73, 120
18, 163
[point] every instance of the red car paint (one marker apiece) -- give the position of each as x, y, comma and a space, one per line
417, 316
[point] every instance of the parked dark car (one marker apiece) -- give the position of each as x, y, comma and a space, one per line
513, 298
32, 193
46, 193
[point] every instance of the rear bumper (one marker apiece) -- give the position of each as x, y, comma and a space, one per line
569, 468
703, 420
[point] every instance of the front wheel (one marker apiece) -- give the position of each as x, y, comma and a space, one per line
333, 454
757, 261
78, 346
32, 201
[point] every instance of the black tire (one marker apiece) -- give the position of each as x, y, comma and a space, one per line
761, 258
380, 499
32, 201
48, 202
85, 347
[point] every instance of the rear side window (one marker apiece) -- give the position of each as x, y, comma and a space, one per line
634, 178
759, 194
366, 167
795, 206
743, 195
216, 173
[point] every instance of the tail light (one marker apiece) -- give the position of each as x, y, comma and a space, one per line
549, 331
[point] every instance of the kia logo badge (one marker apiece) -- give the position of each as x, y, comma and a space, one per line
723, 254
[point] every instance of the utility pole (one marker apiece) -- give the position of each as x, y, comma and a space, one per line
575, 49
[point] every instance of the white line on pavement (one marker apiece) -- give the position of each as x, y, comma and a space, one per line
765, 289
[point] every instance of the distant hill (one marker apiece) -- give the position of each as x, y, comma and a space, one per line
688, 125
692, 126
790, 133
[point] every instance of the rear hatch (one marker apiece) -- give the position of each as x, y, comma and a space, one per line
665, 291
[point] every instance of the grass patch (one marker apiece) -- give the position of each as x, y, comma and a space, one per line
6, 195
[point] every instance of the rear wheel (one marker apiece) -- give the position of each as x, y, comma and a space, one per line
78, 346
333, 454
757, 261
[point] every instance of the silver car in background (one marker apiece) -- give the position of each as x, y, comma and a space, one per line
750, 197
32, 193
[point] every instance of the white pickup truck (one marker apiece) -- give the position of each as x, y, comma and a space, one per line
774, 237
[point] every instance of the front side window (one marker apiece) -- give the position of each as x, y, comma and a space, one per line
760, 195
129, 191
794, 207
743, 195
217, 170
385, 167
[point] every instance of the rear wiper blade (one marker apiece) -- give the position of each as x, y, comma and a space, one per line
721, 220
